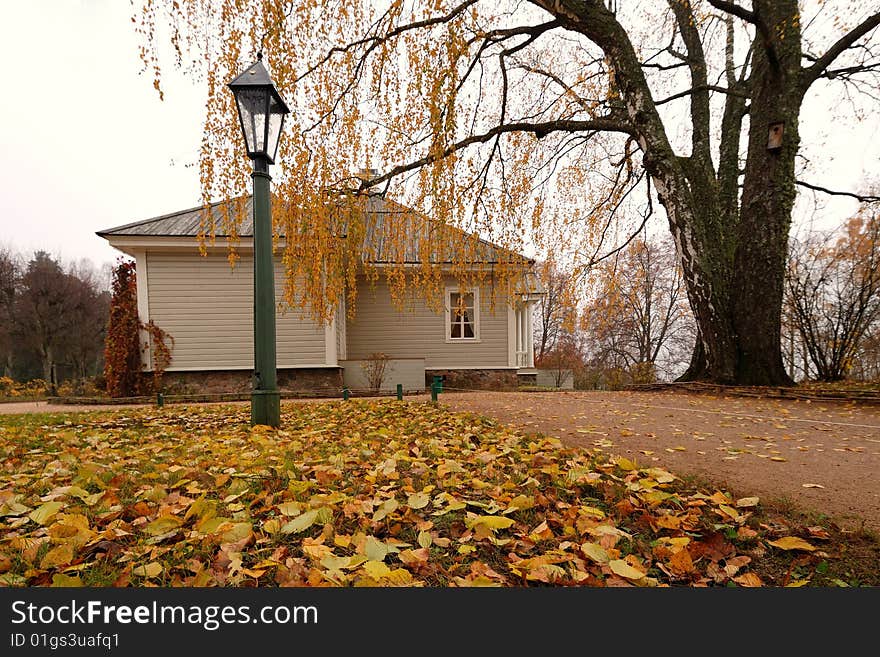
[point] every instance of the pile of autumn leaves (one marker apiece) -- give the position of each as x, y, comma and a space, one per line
349, 493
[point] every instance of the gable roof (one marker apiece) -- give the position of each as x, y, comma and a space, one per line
384, 216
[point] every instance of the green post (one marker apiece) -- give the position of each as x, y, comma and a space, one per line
345, 394
400, 392
434, 391
265, 398
438, 381
160, 399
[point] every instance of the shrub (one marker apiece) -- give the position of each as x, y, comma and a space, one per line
374, 368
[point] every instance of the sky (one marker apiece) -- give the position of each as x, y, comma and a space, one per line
88, 145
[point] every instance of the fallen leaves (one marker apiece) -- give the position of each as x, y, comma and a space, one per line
792, 543
362, 493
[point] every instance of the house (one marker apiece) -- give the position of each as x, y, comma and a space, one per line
207, 307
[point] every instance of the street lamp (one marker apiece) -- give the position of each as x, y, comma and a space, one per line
261, 113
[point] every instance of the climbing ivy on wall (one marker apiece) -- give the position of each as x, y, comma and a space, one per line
122, 350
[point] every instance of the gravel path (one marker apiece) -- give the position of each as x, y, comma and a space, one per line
820, 457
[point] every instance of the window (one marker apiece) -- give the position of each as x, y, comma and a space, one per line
462, 318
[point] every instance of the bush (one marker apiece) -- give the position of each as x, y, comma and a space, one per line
374, 367
10, 388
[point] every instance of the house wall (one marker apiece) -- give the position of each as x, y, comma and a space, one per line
419, 332
410, 373
208, 309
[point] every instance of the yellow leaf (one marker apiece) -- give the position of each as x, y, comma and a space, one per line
377, 569
58, 556
622, 568
792, 543
333, 563
625, 464
729, 511
318, 551
65, 581
387, 507
595, 552
210, 525
272, 526
747, 502
492, 522
46, 512
300, 523
290, 508
476, 582
778, 458
414, 556
238, 532
375, 549
418, 500
163, 525
151, 570
201, 509
400, 577
324, 515
424, 539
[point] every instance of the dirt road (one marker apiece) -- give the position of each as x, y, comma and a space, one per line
820, 457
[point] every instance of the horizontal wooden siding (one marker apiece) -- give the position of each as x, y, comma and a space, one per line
208, 309
419, 332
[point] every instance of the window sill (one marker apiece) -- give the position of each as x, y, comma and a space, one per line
463, 340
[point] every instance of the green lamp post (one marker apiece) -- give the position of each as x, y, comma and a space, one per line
261, 111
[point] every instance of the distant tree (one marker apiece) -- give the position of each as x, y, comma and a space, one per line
10, 274
89, 307
833, 294
44, 308
122, 353
639, 319
556, 312
564, 360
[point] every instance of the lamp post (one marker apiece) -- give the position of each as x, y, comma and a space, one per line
261, 112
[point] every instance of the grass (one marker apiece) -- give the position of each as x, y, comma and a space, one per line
377, 493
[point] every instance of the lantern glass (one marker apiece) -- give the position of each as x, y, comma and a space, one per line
274, 127
252, 112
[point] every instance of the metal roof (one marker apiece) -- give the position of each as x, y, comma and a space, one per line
384, 218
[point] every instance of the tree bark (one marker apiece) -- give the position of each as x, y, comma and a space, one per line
767, 199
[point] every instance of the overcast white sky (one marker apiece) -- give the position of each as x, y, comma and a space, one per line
86, 144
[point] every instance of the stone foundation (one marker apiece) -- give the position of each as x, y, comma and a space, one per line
312, 381
527, 379
474, 379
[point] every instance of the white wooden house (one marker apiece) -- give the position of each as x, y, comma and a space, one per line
208, 309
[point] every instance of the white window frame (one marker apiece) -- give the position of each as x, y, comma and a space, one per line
448, 315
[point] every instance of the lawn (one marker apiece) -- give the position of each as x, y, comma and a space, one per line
373, 493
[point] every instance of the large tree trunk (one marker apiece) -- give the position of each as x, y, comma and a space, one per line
767, 200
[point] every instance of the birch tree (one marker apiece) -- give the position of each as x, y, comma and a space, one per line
530, 119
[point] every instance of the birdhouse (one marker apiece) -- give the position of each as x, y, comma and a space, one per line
774, 136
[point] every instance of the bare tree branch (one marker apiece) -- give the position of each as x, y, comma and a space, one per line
540, 130
704, 87
753, 18
842, 44
864, 198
